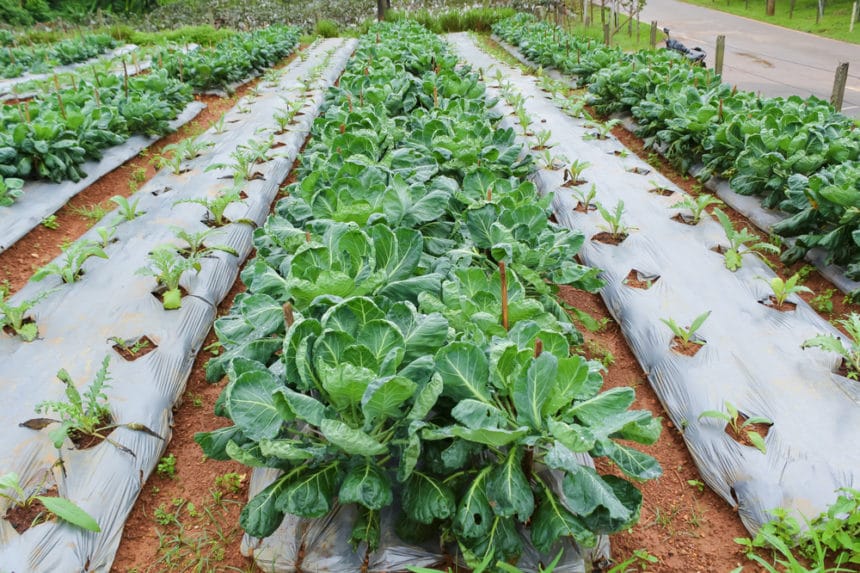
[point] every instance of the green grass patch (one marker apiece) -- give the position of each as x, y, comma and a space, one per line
834, 24
476, 19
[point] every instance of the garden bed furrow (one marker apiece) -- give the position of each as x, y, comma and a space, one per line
110, 300
752, 358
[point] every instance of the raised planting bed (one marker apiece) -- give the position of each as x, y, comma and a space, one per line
750, 357
116, 310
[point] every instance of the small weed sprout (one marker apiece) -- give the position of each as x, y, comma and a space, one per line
167, 466
50, 222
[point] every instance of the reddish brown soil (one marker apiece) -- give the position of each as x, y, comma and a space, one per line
635, 280
22, 517
145, 344
609, 238
688, 530
688, 348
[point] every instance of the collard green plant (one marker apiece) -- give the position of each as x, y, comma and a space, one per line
741, 242
70, 269
686, 334
84, 414
167, 265
12, 490
10, 190
850, 353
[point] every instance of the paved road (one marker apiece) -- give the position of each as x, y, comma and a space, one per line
761, 57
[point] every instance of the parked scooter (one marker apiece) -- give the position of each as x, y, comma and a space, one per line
696, 56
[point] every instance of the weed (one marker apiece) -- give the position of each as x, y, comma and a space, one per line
740, 243
231, 482
167, 466
698, 484
50, 222
823, 302
93, 214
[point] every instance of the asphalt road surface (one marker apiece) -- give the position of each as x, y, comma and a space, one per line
760, 57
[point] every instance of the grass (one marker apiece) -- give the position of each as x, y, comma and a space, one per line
834, 24
628, 43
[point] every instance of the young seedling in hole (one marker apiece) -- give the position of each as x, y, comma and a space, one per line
50, 222
604, 130
697, 206
550, 160
127, 209
525, 119
283, 118
167, 266
218, 205
271, 77
243, 107
732, 418
573, 173
831, 343
106, 235
71, 268
84, 415
542, 139
686, 334
14, 317
196, 247
12, 490
218, 125
167, 466
188, 149
499, 77
132, 349
10, 189
614, 225
740, 243
783, 289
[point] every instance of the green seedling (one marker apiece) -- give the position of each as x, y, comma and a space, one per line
71, 267
127, 209
573, 172
12, 490
586, 198
830, 343
783, 289
94, 213
741, 243
14, 318
83, 415
167, 466
134, 348
218, 125
217, 206
696, 483
697, 206
50, 222
614, 225
168, 266
686, 334
10, 189
106, 235
195, 244
550, 160
231, 482
188, 149
604, 129
542, 139
524, 118
735, 420
138, 175
640, 558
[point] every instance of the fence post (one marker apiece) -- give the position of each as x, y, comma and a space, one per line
839, 85
720, 55
606, 33
653, 34
853, 17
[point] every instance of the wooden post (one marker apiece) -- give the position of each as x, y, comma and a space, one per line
380, 10
718, 58
853, 17
771, 7
820, 12
791, 9
606, 34
653, 34
839, 85
603, 11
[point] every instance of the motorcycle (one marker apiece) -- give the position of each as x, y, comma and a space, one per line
696, 56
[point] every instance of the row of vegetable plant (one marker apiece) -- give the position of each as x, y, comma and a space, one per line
16, 61
399, 337
800, 156
231, 60
51, 136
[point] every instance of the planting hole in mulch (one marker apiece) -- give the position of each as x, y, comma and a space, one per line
278, 144
86, 441
161, 190
662, 191
638, 170
23, 517
637, 279
11, 331
719, 249
742, 437
574, 182
786, 306
609, 238
689, 348
580, 208
684, 219
134, 348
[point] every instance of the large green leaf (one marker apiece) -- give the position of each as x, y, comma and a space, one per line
366, 485
465, 370
69, 511
426, 398
310, 494
426, 499
606, 404
474, 414
531, 391
474, 515
351, 441
552, 521
385, 396
632, 462
508, 489
261, 516
293, 405
252, 406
